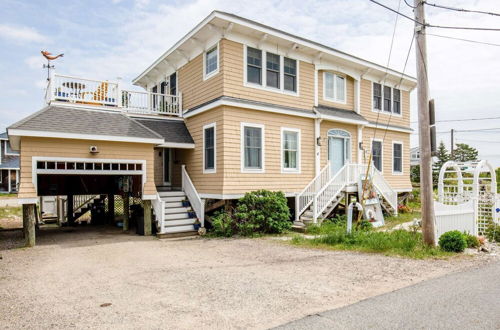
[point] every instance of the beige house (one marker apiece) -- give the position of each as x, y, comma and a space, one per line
232, 107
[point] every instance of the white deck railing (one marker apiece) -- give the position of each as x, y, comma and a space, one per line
386, 190
306, 196
197, 203
103, 93
333, 187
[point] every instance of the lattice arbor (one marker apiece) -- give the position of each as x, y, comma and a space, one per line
476, 181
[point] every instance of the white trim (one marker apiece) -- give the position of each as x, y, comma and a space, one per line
242, 151
381, 154
298, 160
27, 201
335, 98
5, 144
177, 145
206, 75
343, 120
402, 161
347, 155
169, 181
263, 85
401, 190
211, 170
21, 132
148, 197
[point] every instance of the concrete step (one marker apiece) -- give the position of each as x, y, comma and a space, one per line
175, 210
175, 216
173, 199
178, 229
172, 193
179, 222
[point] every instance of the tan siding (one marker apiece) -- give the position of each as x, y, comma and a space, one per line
349, 105
49, 147
383, 118
195, 90
327, 125
397, 181
233, 63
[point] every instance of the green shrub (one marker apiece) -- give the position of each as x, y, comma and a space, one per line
472, 241
493, 232
258, 212
365, 225
223, 225
453, 241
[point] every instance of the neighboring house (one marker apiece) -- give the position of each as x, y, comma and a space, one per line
415, 156
9, 166
243, 106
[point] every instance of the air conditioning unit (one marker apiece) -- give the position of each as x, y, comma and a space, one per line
93, 150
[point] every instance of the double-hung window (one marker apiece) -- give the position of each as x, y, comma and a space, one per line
397, 157
334, 87
211, 62
273, 70
290, 149
377, 96
254, 65
377, 154
209, 148
252, 147
290, 74
387, 99
396, 102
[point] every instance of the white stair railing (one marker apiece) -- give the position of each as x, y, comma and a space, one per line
197, 203
306, 196
328, 193
390, 195
159, 209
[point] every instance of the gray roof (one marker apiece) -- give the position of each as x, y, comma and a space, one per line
10, 162
82, 121
174, 131
3, 136
340, 113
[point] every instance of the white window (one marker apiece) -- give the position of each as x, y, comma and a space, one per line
273, 70
252, 146
397, 157
254, 66
290, 150
396, 101
377, 154
209, 148
334, 87
290, 74
211, 62
386, 99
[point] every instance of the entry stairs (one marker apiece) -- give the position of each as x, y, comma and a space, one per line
320, 197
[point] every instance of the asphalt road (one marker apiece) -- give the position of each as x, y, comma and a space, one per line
465, 300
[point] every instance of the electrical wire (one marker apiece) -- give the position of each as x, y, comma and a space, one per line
412, 7
455, 120
461, 39
461, 9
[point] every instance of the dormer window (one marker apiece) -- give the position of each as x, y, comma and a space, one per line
211, 62
334, 87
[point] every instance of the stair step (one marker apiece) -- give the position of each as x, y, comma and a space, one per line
178, 229
179, 222
173, 199
173, 204
175, 216
177, 210
172, 193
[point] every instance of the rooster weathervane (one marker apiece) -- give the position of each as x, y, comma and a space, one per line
49, 58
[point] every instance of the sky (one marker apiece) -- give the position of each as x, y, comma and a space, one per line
107, 39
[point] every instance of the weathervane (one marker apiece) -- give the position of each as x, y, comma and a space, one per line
49, 58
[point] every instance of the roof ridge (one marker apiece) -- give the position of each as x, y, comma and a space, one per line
144, 126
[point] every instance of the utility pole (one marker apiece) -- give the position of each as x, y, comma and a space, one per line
426, 193
452, 142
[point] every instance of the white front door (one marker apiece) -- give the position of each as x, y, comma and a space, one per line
336, 153
167, 166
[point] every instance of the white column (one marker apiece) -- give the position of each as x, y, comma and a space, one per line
315, 86
317, 148
357, 95
8, 181
17, 180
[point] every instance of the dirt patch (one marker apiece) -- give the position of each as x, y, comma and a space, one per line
192, 283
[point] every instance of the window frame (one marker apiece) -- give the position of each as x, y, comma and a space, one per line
402, 161
263, 84
335, 98
205, 169
394, 101
209, 75
381, 154
382, 111
282, 150
288, 74
242, 148
280, 73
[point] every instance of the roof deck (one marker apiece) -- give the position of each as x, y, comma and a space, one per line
63, 89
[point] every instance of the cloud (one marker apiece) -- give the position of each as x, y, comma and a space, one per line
21, 34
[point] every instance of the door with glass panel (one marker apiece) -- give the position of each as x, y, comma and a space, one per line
167, 166
339, 149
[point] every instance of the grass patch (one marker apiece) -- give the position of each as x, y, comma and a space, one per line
395, 243
7, 195
9, 212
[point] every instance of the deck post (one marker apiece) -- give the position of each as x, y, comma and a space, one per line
29, 224
9, 184
147, 218
126, 211
69, 210
111, 208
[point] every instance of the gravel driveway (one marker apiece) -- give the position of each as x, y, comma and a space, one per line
190, 283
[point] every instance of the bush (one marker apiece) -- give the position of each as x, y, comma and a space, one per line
261, 211
493, 232
453, 241
472, 241
404, 209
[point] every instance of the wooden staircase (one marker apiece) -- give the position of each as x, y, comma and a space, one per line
82, 206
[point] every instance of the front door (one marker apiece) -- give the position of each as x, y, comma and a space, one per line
336, 153
167, 166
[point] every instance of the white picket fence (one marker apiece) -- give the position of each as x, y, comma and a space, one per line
459, 217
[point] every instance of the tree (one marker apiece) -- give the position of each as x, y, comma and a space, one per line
465, 153
442, 156
415, 173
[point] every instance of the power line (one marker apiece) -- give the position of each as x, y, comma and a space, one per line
435, 26
455, 120
468, 40
412, 7
461, 9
